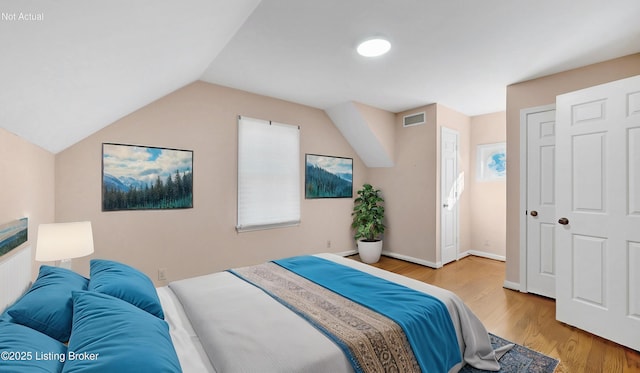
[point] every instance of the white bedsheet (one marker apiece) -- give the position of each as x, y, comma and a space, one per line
234, 345
192, 356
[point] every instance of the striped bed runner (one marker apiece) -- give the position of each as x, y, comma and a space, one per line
360, 313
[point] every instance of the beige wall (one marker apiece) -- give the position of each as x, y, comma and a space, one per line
27, 186
202, 117
488, 199
411, 188
540, 92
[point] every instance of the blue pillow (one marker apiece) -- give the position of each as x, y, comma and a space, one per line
46, 307
5, 317
124, 282
110, 335
26, 350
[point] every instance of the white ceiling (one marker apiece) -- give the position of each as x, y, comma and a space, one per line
89, 63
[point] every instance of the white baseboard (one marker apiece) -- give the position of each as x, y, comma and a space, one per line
411, 259
483, 254
511, 285
430, 264
397, 256
347, 253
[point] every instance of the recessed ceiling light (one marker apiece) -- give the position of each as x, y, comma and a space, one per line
374, 47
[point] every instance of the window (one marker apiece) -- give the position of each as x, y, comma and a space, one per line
268, 174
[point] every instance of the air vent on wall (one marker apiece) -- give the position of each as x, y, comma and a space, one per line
413, 119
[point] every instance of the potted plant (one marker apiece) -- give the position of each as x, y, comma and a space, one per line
368, 225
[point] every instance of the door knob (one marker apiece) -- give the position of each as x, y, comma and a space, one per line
445, 205
563, 221
534, 213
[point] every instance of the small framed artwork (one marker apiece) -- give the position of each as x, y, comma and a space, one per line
491, 162
13, 234
138, 177
328, 177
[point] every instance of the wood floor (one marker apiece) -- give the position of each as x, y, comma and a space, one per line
522, 318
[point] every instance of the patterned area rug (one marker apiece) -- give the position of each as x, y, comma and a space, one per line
518, 360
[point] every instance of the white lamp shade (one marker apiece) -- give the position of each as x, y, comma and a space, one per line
60, 241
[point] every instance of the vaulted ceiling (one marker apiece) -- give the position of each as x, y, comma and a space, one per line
69, 68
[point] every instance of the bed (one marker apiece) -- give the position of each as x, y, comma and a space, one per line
243, 320
232, 321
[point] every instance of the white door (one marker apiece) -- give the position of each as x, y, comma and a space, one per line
450, 188
598, 206
541, 200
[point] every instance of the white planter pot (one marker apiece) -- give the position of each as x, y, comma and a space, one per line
370, 251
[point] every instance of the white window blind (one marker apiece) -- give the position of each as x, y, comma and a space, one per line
268, 174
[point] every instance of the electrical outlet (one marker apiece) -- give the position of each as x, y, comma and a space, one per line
162, 274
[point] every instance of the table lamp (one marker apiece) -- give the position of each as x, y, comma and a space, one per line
63, 242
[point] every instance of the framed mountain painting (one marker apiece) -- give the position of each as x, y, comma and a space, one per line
138, 177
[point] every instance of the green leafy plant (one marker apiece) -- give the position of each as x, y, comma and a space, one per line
368, 214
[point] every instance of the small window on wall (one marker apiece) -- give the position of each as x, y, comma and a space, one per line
268, 174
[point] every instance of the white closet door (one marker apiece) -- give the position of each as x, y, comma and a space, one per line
541, 203
598, 209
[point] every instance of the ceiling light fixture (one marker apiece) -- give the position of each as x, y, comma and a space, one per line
374, 47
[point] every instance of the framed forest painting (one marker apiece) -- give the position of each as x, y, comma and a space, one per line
138, 177
328, 177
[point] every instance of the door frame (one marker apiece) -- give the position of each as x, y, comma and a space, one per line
524, 113
457, 206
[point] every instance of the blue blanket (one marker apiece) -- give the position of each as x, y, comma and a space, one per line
424, 319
